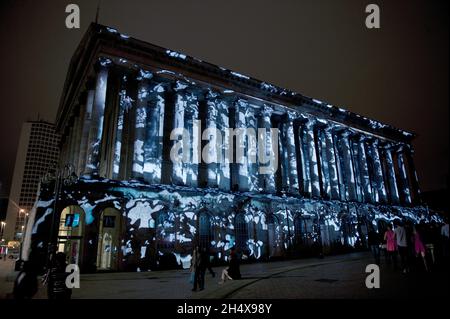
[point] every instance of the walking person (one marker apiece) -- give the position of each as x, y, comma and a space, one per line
233, 271
26, 283
193, 265
4, 253
199, 264
391, 246
402, 246
56, 278
373, 240
419, 247
208, 263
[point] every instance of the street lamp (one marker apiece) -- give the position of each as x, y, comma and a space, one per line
61, 176
2, 228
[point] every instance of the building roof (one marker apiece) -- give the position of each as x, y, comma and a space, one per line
102, 40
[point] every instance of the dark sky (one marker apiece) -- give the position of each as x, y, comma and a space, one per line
397, 74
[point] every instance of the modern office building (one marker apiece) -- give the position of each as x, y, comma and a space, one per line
37, 149
149, 133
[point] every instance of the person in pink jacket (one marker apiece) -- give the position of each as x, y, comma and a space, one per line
419, 247
391, 245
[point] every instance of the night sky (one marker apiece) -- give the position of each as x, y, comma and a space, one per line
397, 74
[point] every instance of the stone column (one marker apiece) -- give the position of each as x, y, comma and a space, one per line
85, 132
291, 152
415, 189
340, 165
269, 167
185, 171
193, 126
251, 124
240, 145
179, 173
169, 115
362, 160
321, 162
392, 180
312, 155
325, 161
404, 186
119, 130
78, 168
143, 98
362, 169
332, 163
223, 165
96, 129
379, 194
305, 157
154, 127
211, 150
347, 161
355, 152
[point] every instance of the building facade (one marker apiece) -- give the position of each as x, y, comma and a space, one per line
313, 177
37, 149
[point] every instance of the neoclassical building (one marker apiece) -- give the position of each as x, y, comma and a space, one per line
129, 206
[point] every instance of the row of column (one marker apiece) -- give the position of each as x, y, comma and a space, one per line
122, 131
325, 161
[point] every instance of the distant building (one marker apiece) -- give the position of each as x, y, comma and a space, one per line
38, 148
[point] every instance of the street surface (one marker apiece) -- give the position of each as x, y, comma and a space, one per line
332, 277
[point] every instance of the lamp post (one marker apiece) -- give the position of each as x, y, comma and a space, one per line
2, 228
61, 176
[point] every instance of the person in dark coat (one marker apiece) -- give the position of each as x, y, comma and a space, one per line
200, 263
26, 283
208, 264
374, 241
56, 278
233, 271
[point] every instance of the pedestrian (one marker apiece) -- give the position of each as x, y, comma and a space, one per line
402, 246
419, 247
373, 240
233, 271
193, 265
26, 283
56, 278
429, 239
4, 253
208, 263
199, 267
391, 246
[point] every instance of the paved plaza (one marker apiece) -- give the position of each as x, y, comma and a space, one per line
333, 277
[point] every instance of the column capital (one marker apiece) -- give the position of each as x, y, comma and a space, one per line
267, 110
321, 123
291, 116
346, 133
104, 62
359, 137
400, 147
144, 75
241, 103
